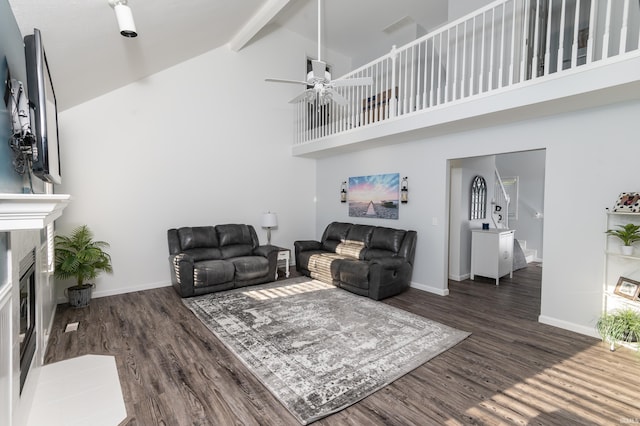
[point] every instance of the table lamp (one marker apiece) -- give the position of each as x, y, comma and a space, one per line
269, 220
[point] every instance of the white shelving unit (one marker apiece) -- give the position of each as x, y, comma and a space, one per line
617, 265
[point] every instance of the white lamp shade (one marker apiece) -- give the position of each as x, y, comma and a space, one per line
269, 220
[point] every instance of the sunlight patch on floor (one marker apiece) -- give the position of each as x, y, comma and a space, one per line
562, 391
287, 290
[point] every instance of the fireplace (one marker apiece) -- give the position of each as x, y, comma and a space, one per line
27, 307
27, 314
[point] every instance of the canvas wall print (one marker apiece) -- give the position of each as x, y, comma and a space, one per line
374, 196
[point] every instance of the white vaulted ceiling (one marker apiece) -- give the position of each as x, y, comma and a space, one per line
88, 57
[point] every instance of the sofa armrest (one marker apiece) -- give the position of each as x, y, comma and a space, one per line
174, 241
265, 250
388, 276
271, 254
182, 274
300, 247
307, 245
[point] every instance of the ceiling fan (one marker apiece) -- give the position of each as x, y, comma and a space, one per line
320, 79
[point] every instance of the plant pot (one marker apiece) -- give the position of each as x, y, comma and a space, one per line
626, 250
79, 295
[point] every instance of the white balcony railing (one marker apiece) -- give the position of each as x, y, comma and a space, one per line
503, 45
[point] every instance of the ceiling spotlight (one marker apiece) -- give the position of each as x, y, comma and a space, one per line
124, 17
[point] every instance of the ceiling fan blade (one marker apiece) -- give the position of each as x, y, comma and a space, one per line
336, 97
280, 80
306, 95
319, 68
358, 81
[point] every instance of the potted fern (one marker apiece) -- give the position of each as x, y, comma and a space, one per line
629, 234
78, 256
622, 325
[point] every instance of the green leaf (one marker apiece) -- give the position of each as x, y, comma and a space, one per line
629, 233
79, 256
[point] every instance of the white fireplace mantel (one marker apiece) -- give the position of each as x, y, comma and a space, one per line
30, 211
23, 216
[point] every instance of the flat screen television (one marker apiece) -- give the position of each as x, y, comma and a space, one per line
44, 111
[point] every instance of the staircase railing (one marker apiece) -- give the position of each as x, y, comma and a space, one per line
498, 47
500, 203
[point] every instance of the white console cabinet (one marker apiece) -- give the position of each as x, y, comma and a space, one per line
492, 253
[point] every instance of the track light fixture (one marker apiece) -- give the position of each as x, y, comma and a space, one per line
124, 17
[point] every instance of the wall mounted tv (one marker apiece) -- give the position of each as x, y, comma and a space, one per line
44, 111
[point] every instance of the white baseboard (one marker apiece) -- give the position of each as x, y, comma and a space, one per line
459, 277
47, 332
428, 288
105, 293
142, 287
97, 294
577, 328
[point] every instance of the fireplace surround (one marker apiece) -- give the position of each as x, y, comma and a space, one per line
27, 311
27, 301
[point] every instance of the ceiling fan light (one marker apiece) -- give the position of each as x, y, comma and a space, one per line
310, 96
320, 87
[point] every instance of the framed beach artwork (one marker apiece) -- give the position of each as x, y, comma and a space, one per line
375, 196
627, 288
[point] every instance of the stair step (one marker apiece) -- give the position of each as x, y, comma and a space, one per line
530, 254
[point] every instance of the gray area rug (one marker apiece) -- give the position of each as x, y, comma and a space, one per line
318, 348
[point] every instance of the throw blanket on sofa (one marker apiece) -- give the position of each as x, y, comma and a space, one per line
320, 264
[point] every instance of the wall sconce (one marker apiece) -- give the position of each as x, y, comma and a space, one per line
124, 17
404, 191
343, 192
269, 220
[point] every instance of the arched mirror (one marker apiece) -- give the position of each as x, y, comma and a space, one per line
478, 209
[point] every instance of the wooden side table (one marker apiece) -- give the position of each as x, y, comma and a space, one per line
284, 255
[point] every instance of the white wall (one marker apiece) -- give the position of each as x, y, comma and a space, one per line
399, 37
583, 176
529, 167
205, 142
458, 9
460, 202
457, 215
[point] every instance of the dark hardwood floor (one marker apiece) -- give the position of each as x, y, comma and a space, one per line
511, 370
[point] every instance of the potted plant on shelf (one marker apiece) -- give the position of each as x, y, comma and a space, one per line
79, 256
619, 326
629, 234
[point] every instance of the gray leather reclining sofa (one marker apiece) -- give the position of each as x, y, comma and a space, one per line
206, 259
367, 260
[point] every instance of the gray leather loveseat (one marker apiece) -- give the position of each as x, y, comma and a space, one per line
205, 259
367, 260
